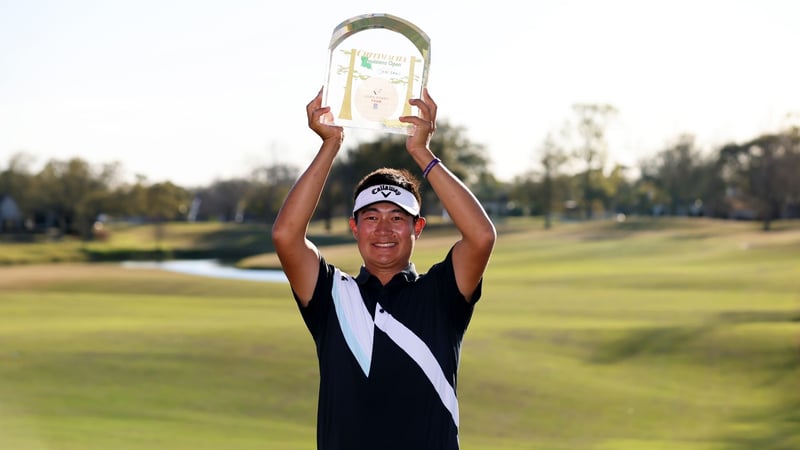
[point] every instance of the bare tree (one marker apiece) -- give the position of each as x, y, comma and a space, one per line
592, 120
553, 157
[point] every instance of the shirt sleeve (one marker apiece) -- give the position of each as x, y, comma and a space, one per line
459, 309
315, 314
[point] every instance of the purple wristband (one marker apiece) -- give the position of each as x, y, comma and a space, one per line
430, 166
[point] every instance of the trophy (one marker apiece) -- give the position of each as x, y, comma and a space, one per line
376, 63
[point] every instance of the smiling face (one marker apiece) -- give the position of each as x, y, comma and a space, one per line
386, 236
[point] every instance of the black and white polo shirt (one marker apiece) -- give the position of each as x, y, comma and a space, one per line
388, 358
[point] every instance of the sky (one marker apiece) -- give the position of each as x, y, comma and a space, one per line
193, 91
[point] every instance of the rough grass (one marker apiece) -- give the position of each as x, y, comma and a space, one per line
679, 335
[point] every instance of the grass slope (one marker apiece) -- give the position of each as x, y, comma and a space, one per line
644, 335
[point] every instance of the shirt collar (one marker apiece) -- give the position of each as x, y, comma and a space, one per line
409, 274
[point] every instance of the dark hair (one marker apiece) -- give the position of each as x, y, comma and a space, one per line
395, 177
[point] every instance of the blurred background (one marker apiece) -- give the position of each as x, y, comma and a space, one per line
640, 161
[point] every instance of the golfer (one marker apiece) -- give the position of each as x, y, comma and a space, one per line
388, 338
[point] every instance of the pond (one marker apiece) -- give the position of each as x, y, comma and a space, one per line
210, 268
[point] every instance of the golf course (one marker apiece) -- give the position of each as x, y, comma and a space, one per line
643, 334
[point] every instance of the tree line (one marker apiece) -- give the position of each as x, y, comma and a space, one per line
569, 178
758, 179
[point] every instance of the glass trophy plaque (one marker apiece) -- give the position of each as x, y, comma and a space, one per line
376, 63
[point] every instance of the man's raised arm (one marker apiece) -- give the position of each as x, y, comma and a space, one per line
299, 257
472, 252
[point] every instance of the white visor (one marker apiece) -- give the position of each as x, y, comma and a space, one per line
387, 193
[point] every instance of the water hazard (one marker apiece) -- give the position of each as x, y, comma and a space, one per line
210, 268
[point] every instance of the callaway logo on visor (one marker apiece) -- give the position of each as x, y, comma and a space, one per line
387, 193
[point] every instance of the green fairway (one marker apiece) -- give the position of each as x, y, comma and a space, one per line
649, 334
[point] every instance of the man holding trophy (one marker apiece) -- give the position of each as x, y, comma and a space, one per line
388, 340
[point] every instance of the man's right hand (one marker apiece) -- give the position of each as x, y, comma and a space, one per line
315, 111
